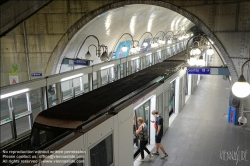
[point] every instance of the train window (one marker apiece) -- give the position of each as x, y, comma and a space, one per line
102, 153
41, 136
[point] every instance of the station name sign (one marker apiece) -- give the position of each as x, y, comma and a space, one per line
75, 62
198, 70
82, 62
36, 74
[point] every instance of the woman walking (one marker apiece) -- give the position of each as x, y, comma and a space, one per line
142, 133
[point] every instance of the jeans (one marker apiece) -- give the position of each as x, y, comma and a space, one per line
143, 147
52, 98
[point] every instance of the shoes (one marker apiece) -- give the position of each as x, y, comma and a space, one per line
155, 153
165, 155
150, 155
141, 160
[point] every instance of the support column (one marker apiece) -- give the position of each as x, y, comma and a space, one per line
58, 94
118, 71
29, 109
153, 58
81, 84
144, 62
129, 68
124, 69
189, 84
45, 97
12, 116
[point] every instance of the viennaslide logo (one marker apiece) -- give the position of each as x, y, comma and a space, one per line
233, 155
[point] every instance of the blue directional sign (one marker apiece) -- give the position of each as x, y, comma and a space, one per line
70, 61
82, 62
36, 74
198, 71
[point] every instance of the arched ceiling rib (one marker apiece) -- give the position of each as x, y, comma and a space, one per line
109, 26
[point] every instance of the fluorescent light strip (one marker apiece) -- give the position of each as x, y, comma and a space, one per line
105, 67
134, 58
14, 93
71, 77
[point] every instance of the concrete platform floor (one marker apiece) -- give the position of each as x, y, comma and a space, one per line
200, 135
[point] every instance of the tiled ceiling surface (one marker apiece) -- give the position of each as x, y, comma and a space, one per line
133, 19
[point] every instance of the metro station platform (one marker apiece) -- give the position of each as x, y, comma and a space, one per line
200, 134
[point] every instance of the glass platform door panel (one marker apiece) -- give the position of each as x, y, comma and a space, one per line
4, 112
23, 113
78, 86
111, 74
138, 62
37, 102
121, 70
66, 88
105, 76
159, 56
6, 126
23, 125
6, 132
133, 66
86, 82
20, 104
148, 60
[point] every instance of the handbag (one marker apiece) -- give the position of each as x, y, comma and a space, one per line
141, 135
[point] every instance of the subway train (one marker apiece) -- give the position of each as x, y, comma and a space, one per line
96, 128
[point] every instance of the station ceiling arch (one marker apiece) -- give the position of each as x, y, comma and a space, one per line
93, 15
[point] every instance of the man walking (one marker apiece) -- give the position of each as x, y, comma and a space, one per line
159, 133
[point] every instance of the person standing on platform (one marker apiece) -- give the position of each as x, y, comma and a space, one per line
142, 133
158, 134
51, 90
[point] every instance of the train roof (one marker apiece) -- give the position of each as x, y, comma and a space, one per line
72, 113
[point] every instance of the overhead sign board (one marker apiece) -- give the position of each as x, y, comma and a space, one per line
212, 70
82, 62
198, 70
36, 74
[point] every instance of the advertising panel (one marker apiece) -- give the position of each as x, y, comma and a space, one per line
13, 78
145, 48
121, 54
